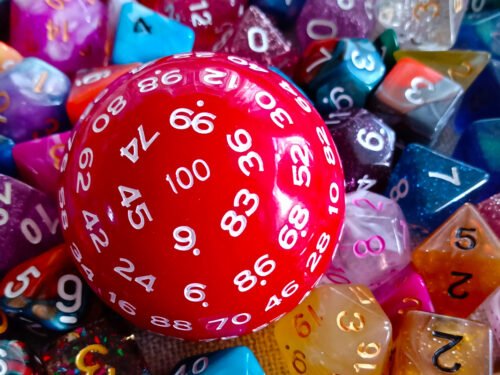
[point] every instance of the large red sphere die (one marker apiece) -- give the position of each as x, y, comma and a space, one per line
202, 196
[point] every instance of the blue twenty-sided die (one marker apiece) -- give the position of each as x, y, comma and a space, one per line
232, 361
480, 146
7, 165
354, 70
429, 187
143, 35
4, 19
284, 11
33, 100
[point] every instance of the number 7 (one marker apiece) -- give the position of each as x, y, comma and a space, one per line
454, 178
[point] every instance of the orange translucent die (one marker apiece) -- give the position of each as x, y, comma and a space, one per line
8, 56
431, 344
337, 329
460, 263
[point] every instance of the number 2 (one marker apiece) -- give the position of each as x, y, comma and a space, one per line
454, 340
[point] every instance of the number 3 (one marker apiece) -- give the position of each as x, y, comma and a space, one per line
414, 94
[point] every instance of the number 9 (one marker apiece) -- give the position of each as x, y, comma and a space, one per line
91, 369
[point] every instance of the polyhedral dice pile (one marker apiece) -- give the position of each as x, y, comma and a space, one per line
308, 186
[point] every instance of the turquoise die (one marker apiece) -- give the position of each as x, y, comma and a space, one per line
7, 165
429, 187
354, 70
232, 361
479, 146
143, 35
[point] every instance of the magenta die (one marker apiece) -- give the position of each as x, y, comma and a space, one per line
403, 292
29, 223
256, 38
213, 21
69, 34
489, 313
323, 19
490, 211
375, 242
33, 99
38, 161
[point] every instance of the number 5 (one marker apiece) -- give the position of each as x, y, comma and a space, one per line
23, 277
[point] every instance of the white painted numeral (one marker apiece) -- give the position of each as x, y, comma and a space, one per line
147, 281
24, 279
131, 151
414, 94
237, 320
315, 23
288, 236
257, 39
242, 143
246, 280
74, 296
453, 179
288, 291
202, 123
232, 222
184, 177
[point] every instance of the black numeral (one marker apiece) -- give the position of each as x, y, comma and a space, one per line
141, 26
465, 241
454, 340
464, 278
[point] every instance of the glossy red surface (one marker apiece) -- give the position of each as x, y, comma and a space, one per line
202, 196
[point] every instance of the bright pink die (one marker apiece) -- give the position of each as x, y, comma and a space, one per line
404, 292
38, 161
202, 196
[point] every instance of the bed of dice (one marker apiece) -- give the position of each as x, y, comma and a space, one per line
411, 288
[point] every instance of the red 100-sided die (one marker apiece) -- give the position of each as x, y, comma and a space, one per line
202, 196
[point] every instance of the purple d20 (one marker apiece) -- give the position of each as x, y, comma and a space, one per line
29, 223
33, 97
68, 34
375, 243
366, 145
38, 161
323, 19
255, 37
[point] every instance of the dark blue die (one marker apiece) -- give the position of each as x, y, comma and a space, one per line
4, 19
479, 146
354, 70
7, 165
429, 187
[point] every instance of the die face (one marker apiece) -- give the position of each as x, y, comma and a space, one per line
375, 241
321, 19
477, 6
67, 34
8, 57
32, 100
490, 211
263, 285
38, 161
284, 11
367, 146
143, 35
88, 84
487, 313
103, 346
429, 187
256, 38
213, 21
419, 103
347, 312
7, 164
28, 223
236, 360
406, 291
478, 32
436, 344
313, 59
347, 79
459, 263
420, 24
479, 146
462, 67
46, 290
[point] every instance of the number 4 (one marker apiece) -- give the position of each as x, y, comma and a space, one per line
453, 179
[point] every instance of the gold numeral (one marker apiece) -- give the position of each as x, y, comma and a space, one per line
351, 325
